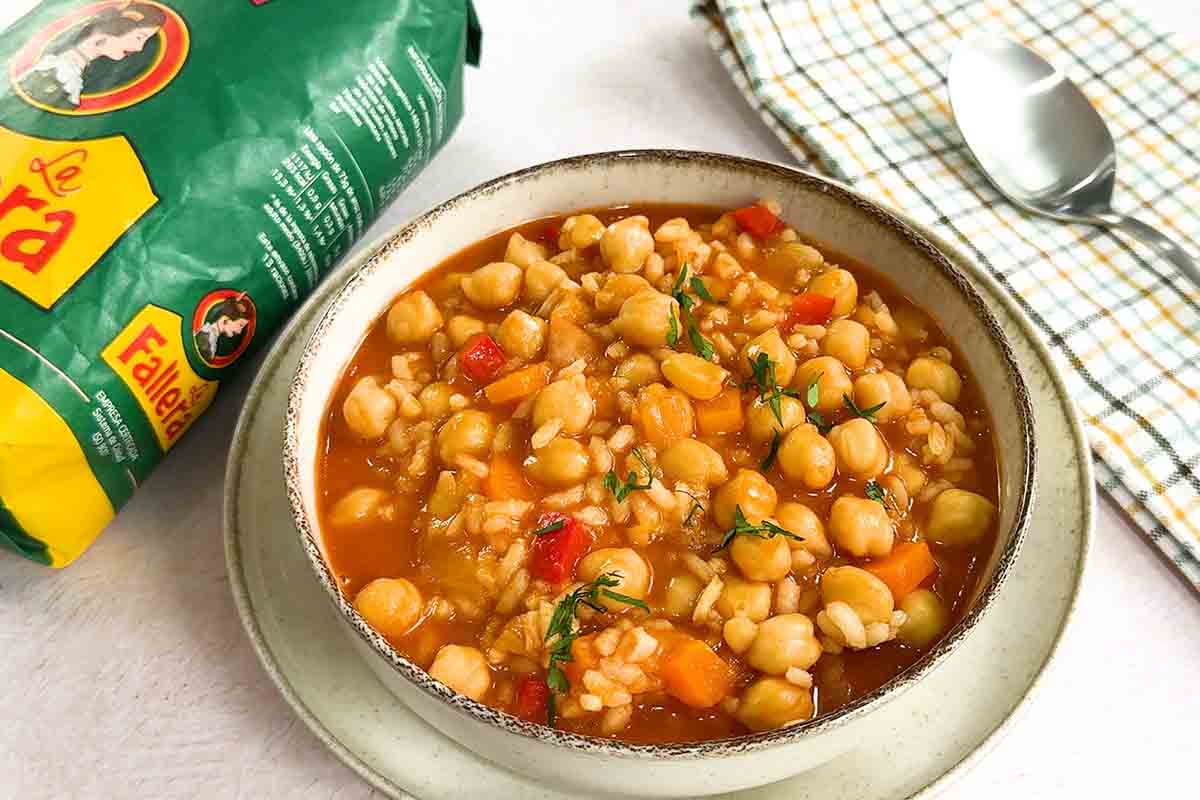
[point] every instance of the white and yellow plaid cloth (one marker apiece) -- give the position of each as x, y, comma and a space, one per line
856, 89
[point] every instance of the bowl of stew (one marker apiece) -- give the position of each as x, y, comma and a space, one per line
656, 472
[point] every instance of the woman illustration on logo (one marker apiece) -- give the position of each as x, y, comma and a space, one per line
220, 338
89, 54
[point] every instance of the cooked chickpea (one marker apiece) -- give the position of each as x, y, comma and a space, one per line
741, 598
772, 344
807, 457
762, 424
369, 408
832, 381
749, 490
617, 289
772, 703
463, 669
933, 373
739, 633
391, 606
468, 432
849, 342
841, 286
682, 593
435, 400
860, 527
870, 597
804, 522
694, 463
361, 505
784, 641
523, 252
767, 559
645, 319
542, 278
561, 463
699, 379
664, 415
494, 285
626, 243
567, 399
522, 335
639, 369
886, 388
461, 328
927, 618
860, 449
580, 231
413, 319
631, 570
793, 257
959, 518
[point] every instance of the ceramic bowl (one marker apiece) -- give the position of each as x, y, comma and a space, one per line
821, 209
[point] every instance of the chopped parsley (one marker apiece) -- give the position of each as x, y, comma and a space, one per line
672, 331
701, 290
762, 370
875, 492
696, 507
866, 413
702, 346
811, 395
622, 489
551, 528
742, 526
773, 452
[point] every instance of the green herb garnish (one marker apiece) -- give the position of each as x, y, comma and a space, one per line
743, 527
622, 489
702, 346
774, 451
866, 413
811, 395
551, 528
701, 290
875, 492
762, 370
672, 331
696, 506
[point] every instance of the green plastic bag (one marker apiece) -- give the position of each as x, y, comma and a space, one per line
174, 177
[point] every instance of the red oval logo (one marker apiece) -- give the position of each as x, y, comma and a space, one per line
222, 326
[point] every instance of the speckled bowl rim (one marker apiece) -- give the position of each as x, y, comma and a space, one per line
718, 748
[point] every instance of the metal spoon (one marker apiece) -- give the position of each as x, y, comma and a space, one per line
1040, 141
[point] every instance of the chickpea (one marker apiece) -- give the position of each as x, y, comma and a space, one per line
617, 289
784, 641
391, 606
682, 593
748, 490
807, 457
360, 505
885, 387
493, 285
910, 472
639, 369
959, 518
927, 618
522, 335
772, 703
561, 463
579, 232
664, 415
626, 244
523, 252
369, 408
771, 343
739, 633
461, 328
767, 559
832, 381
933, 373
860, 527
567, 399
740, 598
693, 462
463, 669
542, 278
841, 286
468, 432
568, 342
804, 522
792, 257
413, 319
870, 597
645, 319
435, 400
699, 379
762, 424
631, 570
849, 342
860, 449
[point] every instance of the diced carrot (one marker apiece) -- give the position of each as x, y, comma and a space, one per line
757, 220
696, 675
722, 414
518, 385
903, 569
506, 480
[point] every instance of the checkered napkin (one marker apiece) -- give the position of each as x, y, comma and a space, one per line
856, 89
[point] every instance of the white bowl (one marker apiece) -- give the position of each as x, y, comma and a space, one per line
819, 208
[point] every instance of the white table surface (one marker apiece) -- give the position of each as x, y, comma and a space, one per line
128, 675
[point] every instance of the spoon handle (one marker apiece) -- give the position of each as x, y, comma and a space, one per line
1166, 247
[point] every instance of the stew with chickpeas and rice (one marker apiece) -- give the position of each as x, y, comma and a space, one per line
658, 473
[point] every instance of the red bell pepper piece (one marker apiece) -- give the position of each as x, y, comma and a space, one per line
481, 359
757, 221
810, 308
550, 233
555, 554
533, 700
